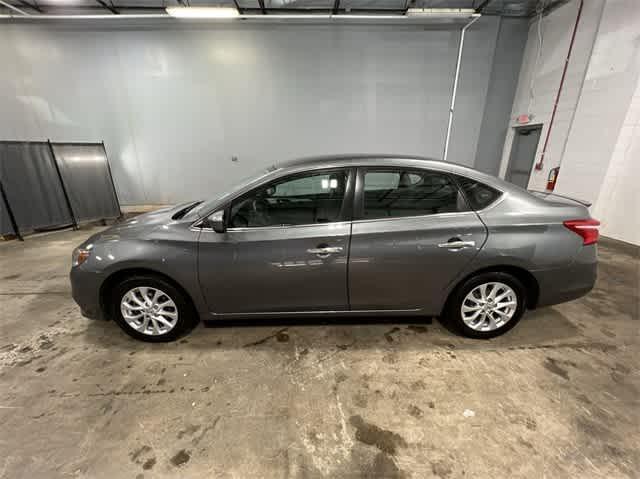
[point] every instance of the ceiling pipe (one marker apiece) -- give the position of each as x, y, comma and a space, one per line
455, 85
259, 18
16, 9
33, 5
36, 18
412, 15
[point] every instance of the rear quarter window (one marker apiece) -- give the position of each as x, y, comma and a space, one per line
478, 194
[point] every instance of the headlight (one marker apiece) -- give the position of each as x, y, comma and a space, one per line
79, 256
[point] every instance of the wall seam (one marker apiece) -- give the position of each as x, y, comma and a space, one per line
129, 116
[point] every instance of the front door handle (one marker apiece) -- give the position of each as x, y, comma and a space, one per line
325, 250
457, 244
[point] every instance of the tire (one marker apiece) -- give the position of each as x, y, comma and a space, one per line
481, 327
172, 306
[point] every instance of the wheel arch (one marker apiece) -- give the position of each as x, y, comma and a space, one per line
524, 276
114, 278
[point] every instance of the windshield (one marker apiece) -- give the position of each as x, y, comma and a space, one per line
208, 205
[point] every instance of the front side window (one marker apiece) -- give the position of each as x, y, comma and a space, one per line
305, 199
395, 193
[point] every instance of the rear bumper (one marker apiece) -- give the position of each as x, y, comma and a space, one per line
85, 290
560, 285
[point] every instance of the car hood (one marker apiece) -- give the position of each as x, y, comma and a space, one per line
141, 225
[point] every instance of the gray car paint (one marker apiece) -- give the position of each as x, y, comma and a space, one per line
252, 270
396, 263
388, 266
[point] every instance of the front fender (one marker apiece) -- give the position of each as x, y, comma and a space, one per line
171, 250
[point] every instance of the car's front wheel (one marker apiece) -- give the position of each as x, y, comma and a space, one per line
487, 305
151, 309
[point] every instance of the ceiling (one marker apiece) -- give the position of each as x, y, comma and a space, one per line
512, 8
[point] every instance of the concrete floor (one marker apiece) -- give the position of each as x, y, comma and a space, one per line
556, 397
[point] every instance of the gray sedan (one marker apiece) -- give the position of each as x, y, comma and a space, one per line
352, 235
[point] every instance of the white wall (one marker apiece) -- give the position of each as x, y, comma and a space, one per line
601, 159
539, 80
175, 104
595, 136
618, 204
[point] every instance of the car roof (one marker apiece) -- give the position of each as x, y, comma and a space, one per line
284, 168
385, 159
350, 158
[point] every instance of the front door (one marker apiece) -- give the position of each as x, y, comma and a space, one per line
412, 234
285, 248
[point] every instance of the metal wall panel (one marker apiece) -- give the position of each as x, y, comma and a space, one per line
176, 103
512, 38
86, 177
6, 228
32, 186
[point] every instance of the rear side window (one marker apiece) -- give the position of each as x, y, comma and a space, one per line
478, 194
393, 193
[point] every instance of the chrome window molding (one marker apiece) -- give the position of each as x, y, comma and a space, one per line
281, 227
195, 227
264, 228
398, 218
364, 164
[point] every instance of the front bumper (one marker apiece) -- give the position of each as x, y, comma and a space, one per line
85, 290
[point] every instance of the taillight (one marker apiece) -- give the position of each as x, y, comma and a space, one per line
588, 229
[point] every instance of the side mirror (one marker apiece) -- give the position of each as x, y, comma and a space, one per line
217, 221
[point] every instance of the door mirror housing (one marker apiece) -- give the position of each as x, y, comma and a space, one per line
216, 220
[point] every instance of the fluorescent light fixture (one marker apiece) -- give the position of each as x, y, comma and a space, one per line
346, 16
443, 12
292, 16
319, 16
230, 13
202, 12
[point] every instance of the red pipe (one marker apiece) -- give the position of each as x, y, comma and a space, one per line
564, 73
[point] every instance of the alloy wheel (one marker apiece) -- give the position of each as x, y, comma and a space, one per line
149, 310
489, 306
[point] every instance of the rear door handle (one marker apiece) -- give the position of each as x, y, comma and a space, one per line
325, 250
457, 244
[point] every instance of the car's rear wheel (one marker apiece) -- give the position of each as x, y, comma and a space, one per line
151, 309
487, 305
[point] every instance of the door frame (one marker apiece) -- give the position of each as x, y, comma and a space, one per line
431, 306
358, 191
346, 209
516, 132
346, 213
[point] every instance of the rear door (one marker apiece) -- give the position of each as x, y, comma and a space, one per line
285, 248
412, 234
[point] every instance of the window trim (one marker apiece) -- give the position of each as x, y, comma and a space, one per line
346, 208
355, 183
454, 178
246, 229
358, 205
